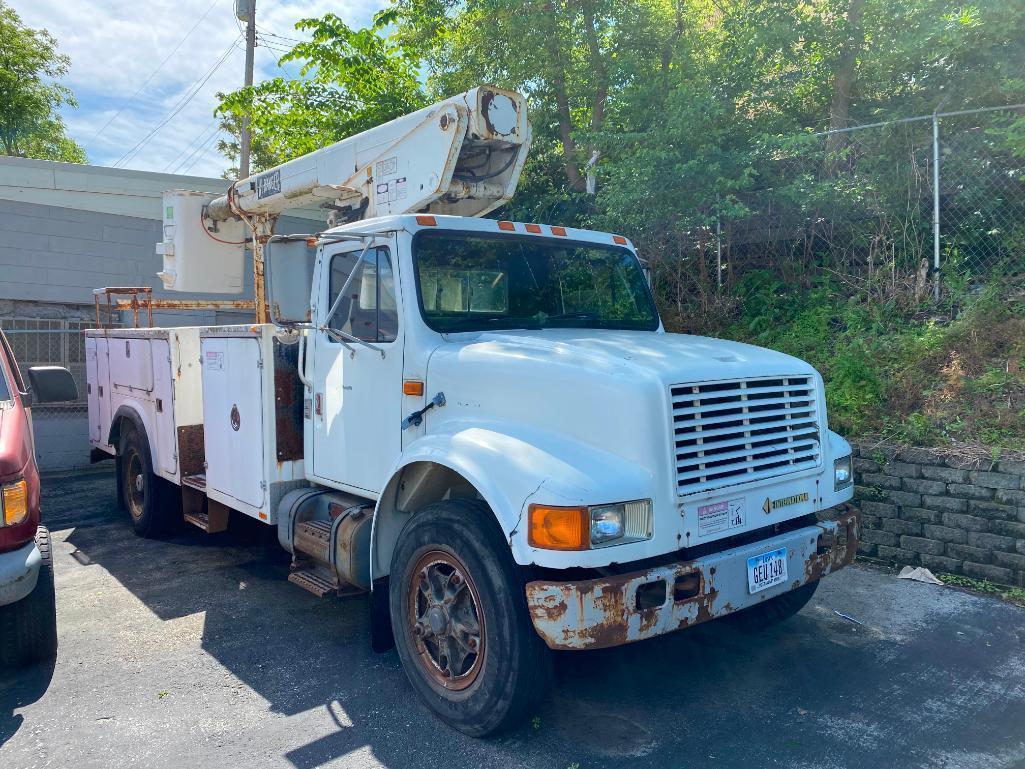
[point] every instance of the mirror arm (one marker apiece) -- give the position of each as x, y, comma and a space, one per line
343, 337
348, 282
301, 363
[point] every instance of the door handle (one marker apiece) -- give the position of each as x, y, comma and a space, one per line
417, 417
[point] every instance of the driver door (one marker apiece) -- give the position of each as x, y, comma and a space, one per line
356, 389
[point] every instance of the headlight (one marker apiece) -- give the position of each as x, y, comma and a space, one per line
581, 528
843, 473
15, 503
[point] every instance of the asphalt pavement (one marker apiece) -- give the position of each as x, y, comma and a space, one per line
196, 652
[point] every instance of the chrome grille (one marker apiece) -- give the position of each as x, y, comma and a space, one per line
745, 430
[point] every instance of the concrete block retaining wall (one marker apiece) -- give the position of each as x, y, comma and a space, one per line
926, 507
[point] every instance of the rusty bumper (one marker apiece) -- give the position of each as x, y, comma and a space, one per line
616, 610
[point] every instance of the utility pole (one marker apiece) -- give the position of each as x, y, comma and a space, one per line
248, 8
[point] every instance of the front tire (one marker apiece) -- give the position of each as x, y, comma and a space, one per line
28, 628
775, 610
459, 615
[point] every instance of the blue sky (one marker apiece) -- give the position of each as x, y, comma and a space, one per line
116, 46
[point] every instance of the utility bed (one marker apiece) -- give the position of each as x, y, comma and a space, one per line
221, 406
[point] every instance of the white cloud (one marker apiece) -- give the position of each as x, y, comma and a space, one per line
115, 45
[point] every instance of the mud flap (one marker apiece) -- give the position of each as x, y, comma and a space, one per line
381, 636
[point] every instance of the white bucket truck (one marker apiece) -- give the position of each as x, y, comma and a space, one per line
481, 422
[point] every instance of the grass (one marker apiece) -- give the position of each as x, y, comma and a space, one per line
1012, 594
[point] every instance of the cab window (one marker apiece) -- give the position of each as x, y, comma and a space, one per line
368, 311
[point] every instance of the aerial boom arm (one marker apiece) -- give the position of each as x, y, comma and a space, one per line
460, 156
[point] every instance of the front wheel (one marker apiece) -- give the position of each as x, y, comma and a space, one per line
782, 607
459, 613
28, 628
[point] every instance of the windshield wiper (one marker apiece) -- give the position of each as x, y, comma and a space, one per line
475, 323
575, 316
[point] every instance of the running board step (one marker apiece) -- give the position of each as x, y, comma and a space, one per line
314, 581
212, 520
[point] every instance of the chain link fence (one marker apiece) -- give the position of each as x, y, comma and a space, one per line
51, 342
895, 210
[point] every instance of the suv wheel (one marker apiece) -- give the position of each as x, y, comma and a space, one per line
28, 628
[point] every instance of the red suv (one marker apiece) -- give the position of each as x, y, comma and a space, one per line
28, 618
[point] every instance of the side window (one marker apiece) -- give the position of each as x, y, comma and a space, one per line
368, 311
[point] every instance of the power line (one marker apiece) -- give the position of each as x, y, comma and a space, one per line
199, 156
189, 95
207, 140
198, 140
174, 50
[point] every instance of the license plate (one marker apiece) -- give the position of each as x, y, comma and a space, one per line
766, 570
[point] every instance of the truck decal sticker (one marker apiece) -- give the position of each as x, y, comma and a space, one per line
721, 516
268, 184
776, 504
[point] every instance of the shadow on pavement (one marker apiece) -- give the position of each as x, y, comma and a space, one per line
19, 688
814, 689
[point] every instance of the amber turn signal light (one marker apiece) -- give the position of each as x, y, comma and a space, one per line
558, 528
15, 503
412, 387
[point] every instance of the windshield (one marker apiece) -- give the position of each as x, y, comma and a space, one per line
472, 282
5, 388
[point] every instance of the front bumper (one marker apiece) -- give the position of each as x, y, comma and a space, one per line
598, 613
19, 570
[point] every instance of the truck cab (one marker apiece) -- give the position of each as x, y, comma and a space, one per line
523, 370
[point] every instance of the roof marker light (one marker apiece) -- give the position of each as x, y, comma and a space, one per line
426, 220
535, 228
560, 231
503, 225
619, 239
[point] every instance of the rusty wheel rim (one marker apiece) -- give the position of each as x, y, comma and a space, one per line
135, 485
446, 620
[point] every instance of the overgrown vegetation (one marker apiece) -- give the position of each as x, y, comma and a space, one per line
1013, 594
908, 374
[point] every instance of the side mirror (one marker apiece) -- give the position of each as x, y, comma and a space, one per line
52, 384
289, 268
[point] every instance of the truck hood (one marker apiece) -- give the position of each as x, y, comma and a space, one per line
672, 358
606, 389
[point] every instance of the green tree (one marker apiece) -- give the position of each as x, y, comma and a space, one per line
30, 94
350, 80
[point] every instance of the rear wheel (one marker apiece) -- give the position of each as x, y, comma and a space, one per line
145, 496
28, 628
775, 609
459, 614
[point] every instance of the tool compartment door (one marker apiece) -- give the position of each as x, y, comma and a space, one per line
163, 392
101, 385
92, 393
131, 365
233, 418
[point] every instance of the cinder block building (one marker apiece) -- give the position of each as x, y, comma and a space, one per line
66, 229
